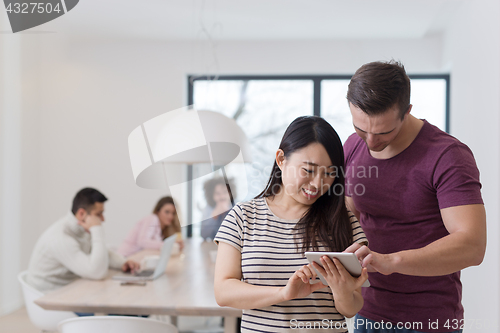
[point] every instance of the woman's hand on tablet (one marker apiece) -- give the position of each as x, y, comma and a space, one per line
299, 285
342, 283
346, 288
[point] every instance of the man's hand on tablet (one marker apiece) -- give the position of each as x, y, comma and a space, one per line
374, 261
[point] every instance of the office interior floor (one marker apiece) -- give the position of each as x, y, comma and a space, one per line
18, 322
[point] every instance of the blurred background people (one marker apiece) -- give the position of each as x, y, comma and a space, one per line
75, 246
218, 196
150, 232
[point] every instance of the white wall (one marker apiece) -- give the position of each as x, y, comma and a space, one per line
472, 52
82, 97
95, 92
10, 173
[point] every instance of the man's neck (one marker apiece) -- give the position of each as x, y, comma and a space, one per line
409, 131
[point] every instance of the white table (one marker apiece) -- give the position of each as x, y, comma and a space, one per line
186, 289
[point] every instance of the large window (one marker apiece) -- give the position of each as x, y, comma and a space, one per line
264, 106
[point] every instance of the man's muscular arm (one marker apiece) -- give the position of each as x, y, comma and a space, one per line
463, 247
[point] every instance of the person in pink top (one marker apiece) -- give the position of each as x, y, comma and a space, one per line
150, 232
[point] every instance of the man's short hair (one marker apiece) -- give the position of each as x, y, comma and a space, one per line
378, 86
86, 198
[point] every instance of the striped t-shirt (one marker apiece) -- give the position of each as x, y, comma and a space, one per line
269, 257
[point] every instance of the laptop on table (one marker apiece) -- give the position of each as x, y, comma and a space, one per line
149, 275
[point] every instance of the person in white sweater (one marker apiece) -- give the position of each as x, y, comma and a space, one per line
74, 247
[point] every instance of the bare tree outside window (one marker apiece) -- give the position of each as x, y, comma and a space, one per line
264, 106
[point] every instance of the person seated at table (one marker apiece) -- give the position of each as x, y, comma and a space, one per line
217, 195
74, 247
149, 233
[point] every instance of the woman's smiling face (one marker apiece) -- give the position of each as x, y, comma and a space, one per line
307, 173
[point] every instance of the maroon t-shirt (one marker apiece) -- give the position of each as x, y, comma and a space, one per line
399, 201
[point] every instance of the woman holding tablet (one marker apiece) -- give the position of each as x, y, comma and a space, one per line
261, 267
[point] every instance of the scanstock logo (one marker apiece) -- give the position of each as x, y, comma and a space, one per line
28, 14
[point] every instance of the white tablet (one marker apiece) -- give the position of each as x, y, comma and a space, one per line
349, 260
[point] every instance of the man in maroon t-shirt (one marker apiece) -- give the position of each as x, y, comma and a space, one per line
416, 192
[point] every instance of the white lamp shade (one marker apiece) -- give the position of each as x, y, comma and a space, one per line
186, 136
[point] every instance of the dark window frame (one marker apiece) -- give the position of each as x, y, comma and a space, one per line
316, 79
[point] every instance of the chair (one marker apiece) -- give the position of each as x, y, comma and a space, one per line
43, 319
114, 324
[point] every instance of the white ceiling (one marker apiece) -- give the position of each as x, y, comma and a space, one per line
258, 19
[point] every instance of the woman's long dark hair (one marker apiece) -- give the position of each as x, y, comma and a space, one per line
327, 220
